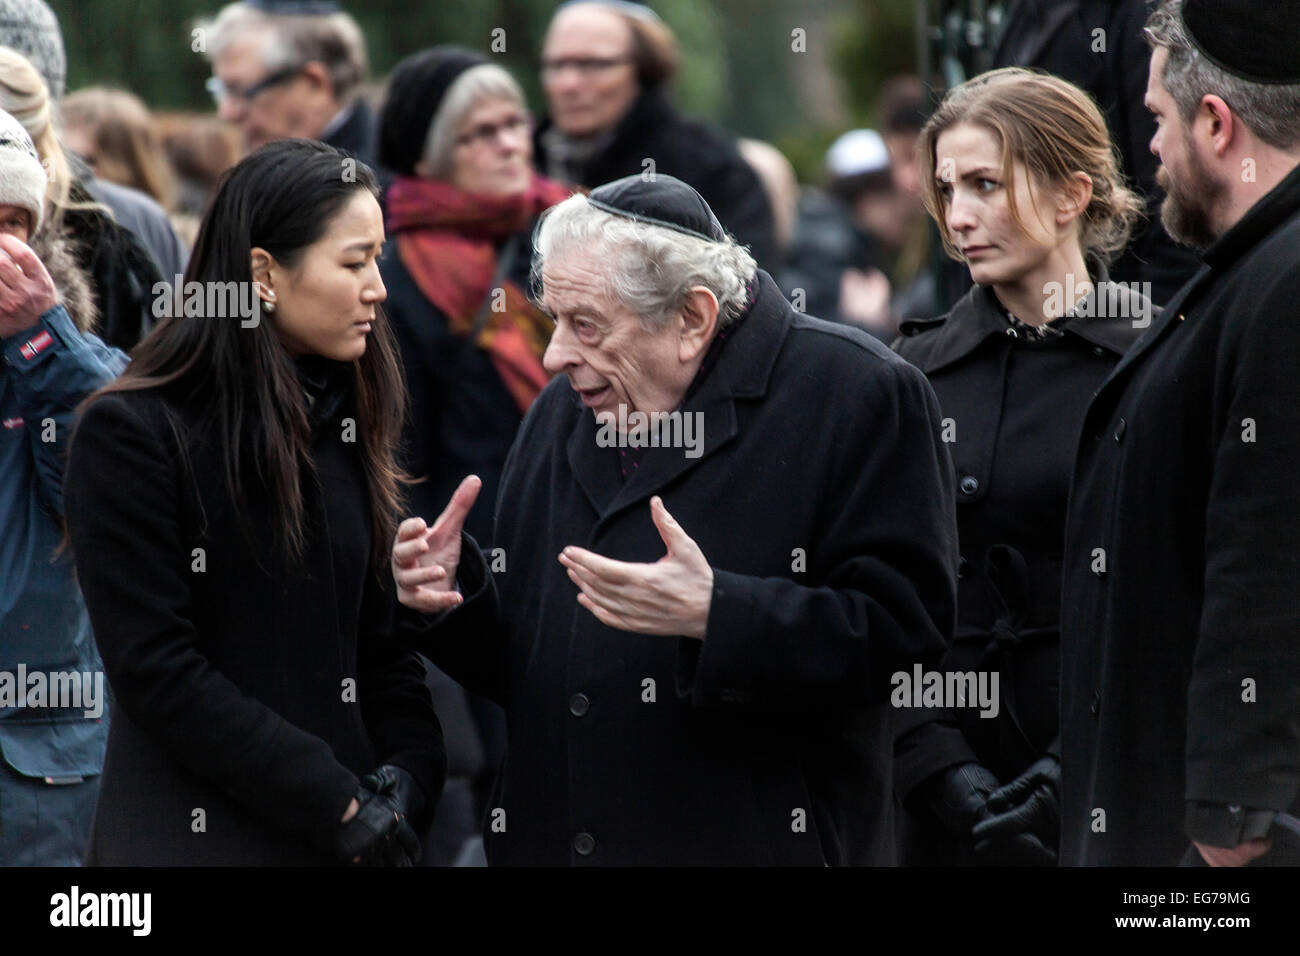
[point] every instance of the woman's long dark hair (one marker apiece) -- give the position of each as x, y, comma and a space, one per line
280, 198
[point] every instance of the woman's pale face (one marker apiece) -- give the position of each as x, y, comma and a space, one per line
15, 221
493, 152
977, 207
326, 304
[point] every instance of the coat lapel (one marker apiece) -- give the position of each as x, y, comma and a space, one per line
1170, 315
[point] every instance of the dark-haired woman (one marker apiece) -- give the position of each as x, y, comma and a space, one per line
230, 502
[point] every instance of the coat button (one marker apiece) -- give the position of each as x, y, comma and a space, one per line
585, 844
1095, 709
969, 485
1120, 428
579, 705
963, 568
1098, 351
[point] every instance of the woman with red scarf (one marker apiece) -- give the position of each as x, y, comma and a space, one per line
459, 217
460, 214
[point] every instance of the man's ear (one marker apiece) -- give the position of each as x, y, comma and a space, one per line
1220, 124
319, 77
699, 320
1073, 198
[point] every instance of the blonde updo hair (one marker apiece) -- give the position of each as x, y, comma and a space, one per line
1055, 130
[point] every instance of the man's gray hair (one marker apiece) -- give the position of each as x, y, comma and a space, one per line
1270, 110
487, 81
332, 39
650, 269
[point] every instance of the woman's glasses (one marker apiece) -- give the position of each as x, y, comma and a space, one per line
485, 134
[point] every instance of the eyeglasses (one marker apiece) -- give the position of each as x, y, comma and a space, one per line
221, 92
485, 134
585, 65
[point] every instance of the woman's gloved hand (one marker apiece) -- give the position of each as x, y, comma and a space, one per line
379, 833
1024, 824
958, 797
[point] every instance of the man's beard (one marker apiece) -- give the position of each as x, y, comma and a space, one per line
1185, 211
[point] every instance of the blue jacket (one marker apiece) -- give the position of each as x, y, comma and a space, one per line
45, 372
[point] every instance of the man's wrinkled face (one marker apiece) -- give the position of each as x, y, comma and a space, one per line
587, 70
1191, 192
280, 111
610, 359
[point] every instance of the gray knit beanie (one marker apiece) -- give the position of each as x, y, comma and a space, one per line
31, 28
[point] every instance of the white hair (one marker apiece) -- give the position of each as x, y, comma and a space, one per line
650, 269
332, 39
487, 81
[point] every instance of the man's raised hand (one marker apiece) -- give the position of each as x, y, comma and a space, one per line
425, 559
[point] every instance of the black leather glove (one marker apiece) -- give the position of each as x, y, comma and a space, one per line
380, 834
393, 780
957, 797
1025, 822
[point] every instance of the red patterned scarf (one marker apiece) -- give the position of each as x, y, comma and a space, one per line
448, 241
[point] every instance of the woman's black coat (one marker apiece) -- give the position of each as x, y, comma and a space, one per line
249, 692
1013, 408
822, 500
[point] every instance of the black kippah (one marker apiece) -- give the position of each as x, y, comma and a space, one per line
660, 201
1255, 41
296, 7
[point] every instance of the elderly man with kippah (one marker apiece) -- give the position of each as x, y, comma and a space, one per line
1180, 688
722, 532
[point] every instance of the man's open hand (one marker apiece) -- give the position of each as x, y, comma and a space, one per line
670, 597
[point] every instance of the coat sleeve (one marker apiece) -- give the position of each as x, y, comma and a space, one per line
53, 367
468, 642
886, 547
1243, 709
395, 703
122, 488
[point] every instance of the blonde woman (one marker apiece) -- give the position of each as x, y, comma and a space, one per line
1019, 173
123, 272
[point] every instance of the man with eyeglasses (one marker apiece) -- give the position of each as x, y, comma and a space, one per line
285, 68
605, 70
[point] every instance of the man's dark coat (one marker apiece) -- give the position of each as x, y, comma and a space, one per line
823, 502
1180, 703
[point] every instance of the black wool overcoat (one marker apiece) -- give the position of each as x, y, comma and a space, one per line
822, 499
231, 666
1180, 704
1013, 407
